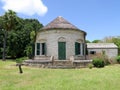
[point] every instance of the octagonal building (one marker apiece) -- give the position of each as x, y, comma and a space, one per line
60, 39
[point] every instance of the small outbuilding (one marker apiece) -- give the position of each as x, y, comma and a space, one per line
109, 49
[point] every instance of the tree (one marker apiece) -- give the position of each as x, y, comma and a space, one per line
8, 23
33, 26
19, 36
1, 37
22, 38
87, 41
96, 41
115, 40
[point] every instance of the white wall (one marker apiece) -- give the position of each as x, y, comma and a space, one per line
51, 38
111, 53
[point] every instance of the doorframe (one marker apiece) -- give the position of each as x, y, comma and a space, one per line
64, 56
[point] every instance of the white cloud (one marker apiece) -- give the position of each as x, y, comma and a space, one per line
26, 7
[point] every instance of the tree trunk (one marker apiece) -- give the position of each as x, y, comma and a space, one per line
20, 69
4, 45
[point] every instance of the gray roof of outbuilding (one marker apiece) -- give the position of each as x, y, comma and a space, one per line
60, 23
101, 45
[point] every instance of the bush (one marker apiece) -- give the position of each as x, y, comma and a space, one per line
97, 62
20, 60
102, 56
118, 59
90, 66
28, 51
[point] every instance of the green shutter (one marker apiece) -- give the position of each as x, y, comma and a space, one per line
38, 49
43, 49
83, 49
77, 48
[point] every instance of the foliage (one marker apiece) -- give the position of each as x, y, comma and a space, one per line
32, 36
20, 60
96, 41
87, 41
115, 40
118, 59
90, 66
98, 62
22, 35
8, 21
1, 43
28, 51
103, 57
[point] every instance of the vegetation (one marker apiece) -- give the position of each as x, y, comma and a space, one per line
87, 41
19, 37
19, 62
58, 79
96, 41
98, 62
8, 21
90, 66
115, 40
118, 59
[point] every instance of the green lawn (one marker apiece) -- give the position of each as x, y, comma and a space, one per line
107, 78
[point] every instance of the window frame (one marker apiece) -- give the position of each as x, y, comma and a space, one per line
79, 48
41, 49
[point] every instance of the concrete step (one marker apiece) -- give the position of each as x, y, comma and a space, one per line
61, 67
42, 57
62, 63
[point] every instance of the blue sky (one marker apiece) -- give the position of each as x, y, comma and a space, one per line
99, 18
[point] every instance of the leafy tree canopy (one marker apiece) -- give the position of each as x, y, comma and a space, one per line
20, 36
96, 41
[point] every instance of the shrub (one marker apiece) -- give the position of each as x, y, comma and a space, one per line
98, 62
90, 66
20, 60
101, 56
118, 59
28, 51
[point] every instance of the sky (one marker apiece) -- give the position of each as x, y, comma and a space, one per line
99, 18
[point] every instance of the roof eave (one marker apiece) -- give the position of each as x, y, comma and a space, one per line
42, 29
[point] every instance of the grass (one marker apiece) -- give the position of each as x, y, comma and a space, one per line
107, 78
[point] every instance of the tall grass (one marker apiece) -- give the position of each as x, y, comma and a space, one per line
107, 78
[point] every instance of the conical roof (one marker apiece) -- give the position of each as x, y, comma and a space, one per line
60, 23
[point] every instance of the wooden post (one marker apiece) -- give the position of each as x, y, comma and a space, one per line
20, 69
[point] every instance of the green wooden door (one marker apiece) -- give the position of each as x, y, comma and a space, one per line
62, 50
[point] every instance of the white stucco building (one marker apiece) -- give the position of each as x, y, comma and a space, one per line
60, 39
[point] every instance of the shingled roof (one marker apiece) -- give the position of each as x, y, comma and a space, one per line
101, 45
60, 23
